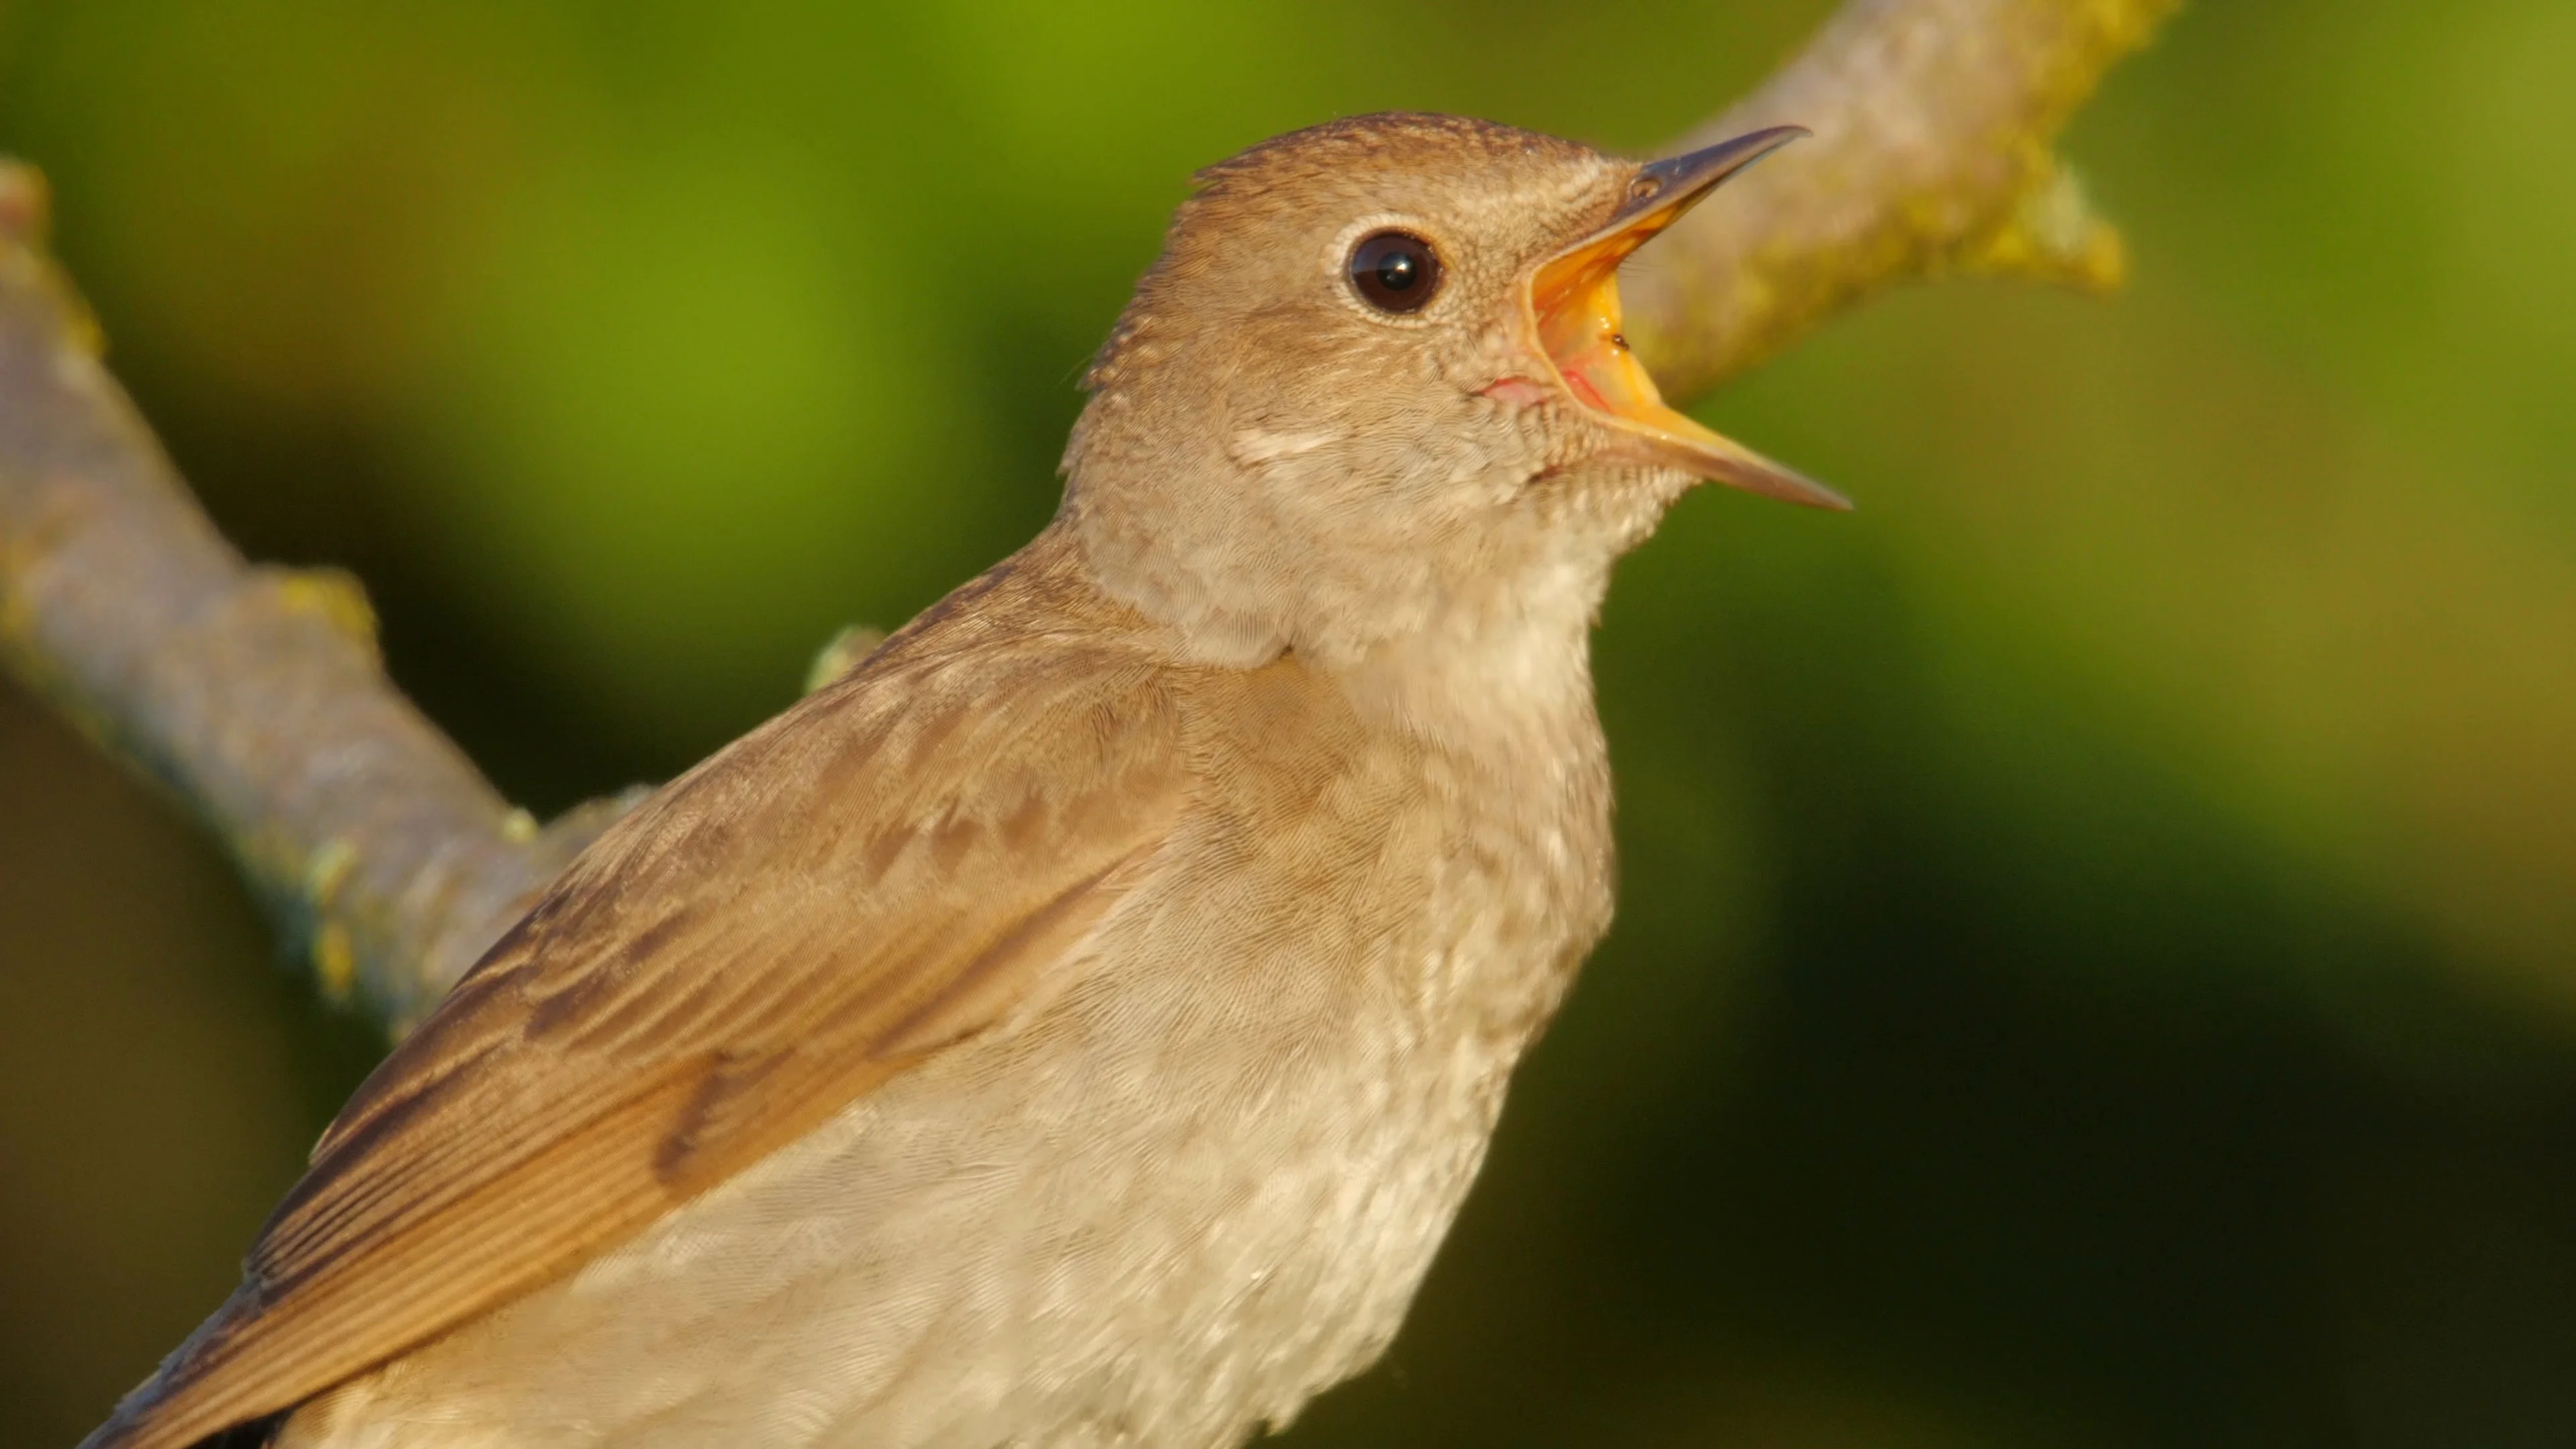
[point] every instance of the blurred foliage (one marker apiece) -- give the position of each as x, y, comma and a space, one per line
2098, 962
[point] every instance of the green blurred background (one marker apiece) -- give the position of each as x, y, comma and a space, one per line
2098, 951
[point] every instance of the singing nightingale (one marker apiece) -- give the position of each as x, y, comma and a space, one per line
1078, 1024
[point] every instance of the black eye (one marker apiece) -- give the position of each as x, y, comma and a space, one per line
1395, 271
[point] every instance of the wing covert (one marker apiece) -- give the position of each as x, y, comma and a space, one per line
889, 867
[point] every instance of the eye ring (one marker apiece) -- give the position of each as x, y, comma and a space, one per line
1395, 271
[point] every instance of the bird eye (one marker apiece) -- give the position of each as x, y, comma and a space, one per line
1395, 271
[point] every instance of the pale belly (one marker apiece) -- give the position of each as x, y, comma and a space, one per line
1038, 1243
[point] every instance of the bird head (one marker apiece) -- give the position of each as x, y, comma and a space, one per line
1377, 383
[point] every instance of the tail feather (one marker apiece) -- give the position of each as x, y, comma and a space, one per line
163, 1412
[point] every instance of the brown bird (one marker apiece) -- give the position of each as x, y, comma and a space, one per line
1079, 1024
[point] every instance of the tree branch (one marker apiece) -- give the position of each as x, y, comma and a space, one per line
256, 695
1933, 122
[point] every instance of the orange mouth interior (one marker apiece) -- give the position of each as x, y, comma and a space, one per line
1575, 302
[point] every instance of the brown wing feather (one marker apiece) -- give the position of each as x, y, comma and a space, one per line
885, 869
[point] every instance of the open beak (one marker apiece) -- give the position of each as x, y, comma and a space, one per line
1574, 301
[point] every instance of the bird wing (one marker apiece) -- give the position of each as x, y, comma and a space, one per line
890, 866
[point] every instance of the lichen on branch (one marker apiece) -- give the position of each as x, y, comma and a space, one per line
1934, 122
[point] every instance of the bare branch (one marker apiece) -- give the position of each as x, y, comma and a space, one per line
256, 695
1933, 122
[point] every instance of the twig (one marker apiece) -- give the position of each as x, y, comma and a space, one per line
1933, 122
256, 695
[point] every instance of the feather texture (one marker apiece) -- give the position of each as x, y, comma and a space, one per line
889, 867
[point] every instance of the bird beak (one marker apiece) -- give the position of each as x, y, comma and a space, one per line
1574, 304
